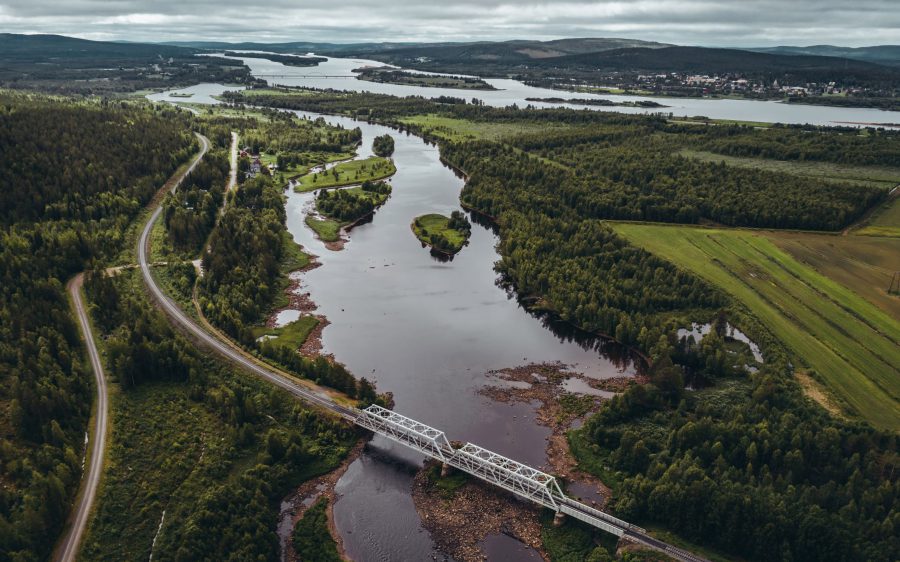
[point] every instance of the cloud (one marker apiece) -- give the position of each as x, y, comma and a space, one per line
687, 22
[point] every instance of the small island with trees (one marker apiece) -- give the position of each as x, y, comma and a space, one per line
444, 235
389, 75
383, 145
340, 208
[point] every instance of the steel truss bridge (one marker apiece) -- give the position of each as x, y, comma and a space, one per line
523, 481
304, 76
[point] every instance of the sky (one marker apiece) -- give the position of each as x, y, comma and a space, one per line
727, 23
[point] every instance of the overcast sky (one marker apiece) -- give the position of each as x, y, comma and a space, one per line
692, 22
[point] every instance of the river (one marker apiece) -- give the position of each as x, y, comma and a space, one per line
429, 331
510, 92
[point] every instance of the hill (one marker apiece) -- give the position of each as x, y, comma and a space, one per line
882, 54
66, 64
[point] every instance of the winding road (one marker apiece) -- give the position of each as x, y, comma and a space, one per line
68, 548
224, 348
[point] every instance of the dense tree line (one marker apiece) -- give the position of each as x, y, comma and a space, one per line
872, 148
190, 212
756, 470
75, 175
345, 205
242, 264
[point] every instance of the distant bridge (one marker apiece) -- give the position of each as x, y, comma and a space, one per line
304, 76
524, 481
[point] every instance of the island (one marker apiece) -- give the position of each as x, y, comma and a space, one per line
287, 60
352, 172
389, 75
600, 102
445, 235
340, 208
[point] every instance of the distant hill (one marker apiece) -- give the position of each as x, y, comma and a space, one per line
579, 58
882, 54
703, 59
515, 51
49, 48
66, 64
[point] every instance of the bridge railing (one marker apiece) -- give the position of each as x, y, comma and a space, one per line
408, 431
508, 474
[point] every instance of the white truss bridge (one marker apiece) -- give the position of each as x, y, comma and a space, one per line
523, 481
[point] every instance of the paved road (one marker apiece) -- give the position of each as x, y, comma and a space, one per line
68, 548
225, 349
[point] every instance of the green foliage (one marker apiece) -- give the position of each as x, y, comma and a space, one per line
446, 235
571, 542
74, 177
216, 451
383, 145
190, 212
312, 540
763, 474
352, 172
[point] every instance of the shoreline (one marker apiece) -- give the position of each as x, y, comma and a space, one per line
298, 501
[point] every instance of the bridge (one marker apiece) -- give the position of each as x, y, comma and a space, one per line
526, 482
304, 76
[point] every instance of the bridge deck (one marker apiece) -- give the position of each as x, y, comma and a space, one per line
520, 479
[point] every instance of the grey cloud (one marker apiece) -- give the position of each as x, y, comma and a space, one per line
689, 22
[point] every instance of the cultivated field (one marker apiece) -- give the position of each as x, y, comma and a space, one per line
852, 344
826, 171
863, 264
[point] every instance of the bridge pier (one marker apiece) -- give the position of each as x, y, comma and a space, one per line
559, 519
445, 470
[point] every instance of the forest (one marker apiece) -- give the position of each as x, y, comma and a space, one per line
348, 205
75, 175
249, 442
190, 212
383, 145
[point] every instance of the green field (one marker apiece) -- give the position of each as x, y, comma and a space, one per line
852, 345
827, 171
328, 230
426, 225
463, 129
348, 173
290, 335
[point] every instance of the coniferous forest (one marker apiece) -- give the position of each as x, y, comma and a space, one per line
74, 176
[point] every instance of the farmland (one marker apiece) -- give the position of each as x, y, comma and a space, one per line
847, 341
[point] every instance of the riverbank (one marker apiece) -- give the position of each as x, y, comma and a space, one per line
304, 497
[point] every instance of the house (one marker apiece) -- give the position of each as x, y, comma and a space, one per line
255, 166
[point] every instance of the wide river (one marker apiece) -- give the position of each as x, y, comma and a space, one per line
428, 331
